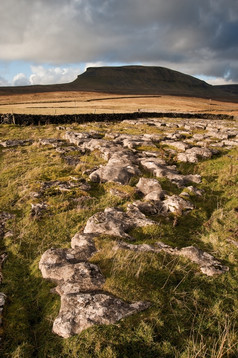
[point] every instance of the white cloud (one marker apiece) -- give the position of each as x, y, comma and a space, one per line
41, 75
20, 80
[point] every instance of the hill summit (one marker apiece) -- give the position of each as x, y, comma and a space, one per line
138, 80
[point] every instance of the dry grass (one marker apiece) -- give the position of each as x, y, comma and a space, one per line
56, 103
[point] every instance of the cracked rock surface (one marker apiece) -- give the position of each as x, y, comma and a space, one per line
82, 310
115, 222
80, 285
127, 161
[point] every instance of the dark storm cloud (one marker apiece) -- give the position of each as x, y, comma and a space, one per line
196, 36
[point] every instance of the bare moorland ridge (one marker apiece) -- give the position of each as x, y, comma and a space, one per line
132, 80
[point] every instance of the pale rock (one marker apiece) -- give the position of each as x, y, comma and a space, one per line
209, 266
176, 205
116, 222
151, 188
83, 310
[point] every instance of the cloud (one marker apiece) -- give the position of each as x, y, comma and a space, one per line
20, 80
42, 76
198, 36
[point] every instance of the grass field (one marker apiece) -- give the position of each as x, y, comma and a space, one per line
191, 316
90, 102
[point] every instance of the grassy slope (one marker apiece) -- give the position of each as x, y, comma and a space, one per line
191, 315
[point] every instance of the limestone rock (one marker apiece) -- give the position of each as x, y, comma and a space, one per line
207, 263
80, 283
176, 204
176, 144
83, 310
15, 142
84, 244
149, 207
151, 188
51, 141
158, 167
72, 275
193, 154
116, 222
120, 168
191, 190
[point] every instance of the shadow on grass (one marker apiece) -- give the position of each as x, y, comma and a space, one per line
29, 312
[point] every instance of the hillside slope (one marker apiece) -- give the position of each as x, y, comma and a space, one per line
131, 80
228, 88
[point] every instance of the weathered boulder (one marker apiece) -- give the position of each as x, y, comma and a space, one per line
79, 138
120, 168
65, 266
80, 284
116, 222
176, 205
51, 141
176, 144
153, 207
193, 154
208, 264
158, 168
83, 310
15, 142
150, 188
84, 245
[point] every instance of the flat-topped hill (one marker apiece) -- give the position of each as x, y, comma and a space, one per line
146, 80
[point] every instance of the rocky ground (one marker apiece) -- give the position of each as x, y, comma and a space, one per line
124, 194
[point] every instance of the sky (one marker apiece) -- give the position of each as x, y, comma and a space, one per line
53, 41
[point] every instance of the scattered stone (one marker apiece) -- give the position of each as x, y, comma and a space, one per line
4, 217
116, 222
15, 142
153, 207
193, 154
208, 264
157, 167
120, 168
72, 276
150, 188
176, 205
37, 210
80, 283
51, 141
84, 243
191, 190
178, 144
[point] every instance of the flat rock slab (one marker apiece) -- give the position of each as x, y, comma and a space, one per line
16, 142
116, 222
120, 168
80, 284
84, 310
